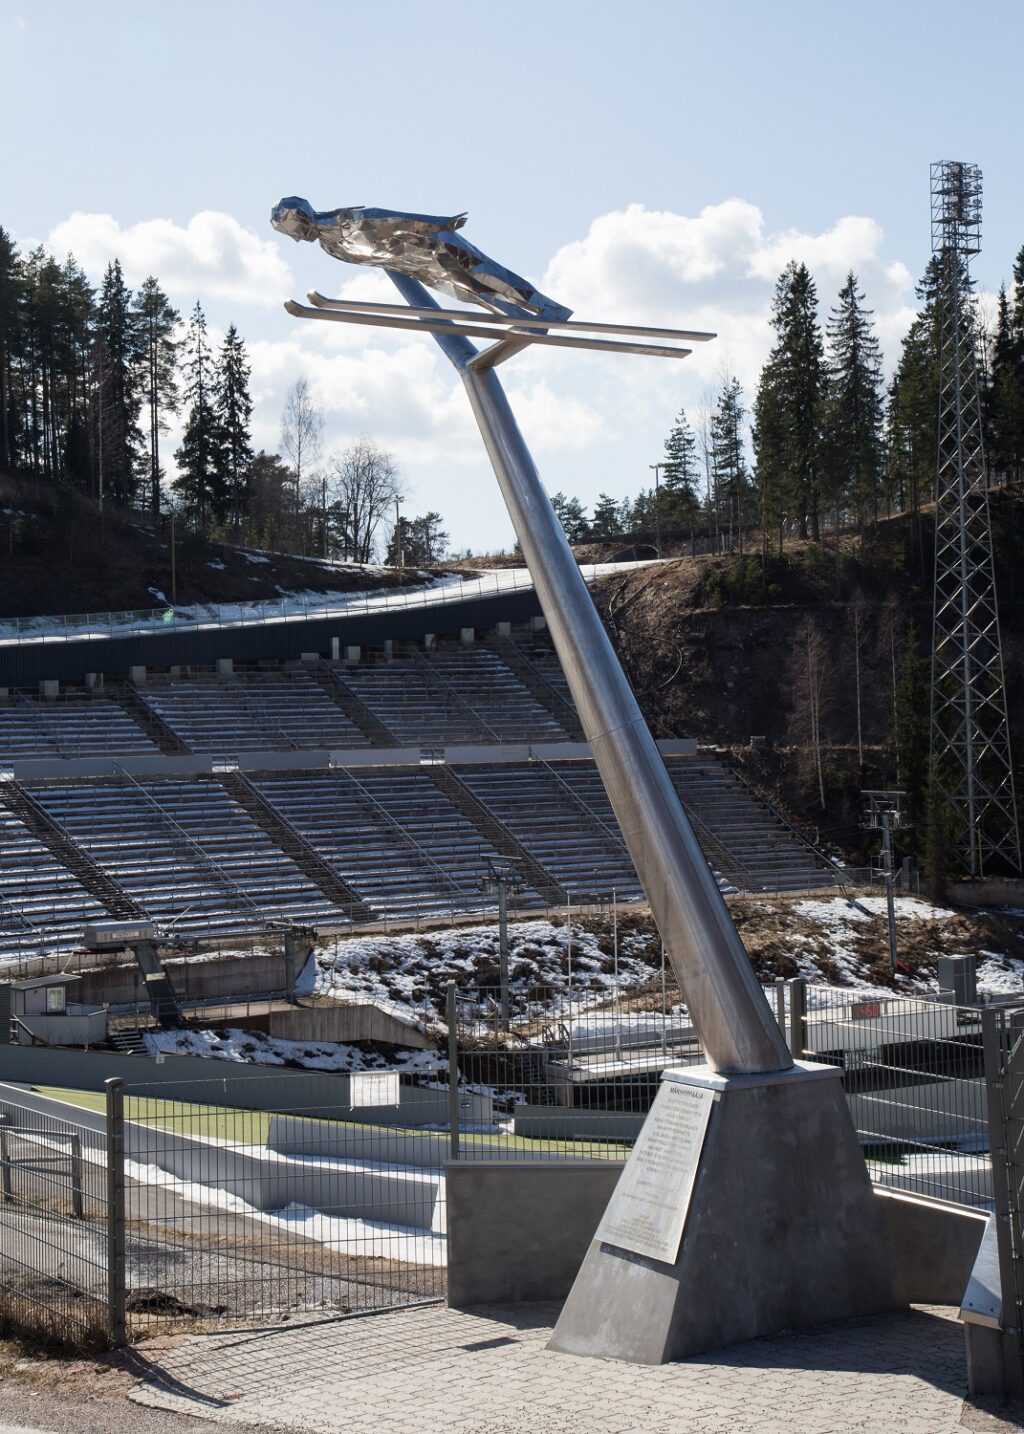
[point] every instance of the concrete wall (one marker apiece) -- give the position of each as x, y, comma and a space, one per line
935, 1244
992, 891
189, 764
337, 1022
518, 1229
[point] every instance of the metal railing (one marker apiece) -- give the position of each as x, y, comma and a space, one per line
204, 616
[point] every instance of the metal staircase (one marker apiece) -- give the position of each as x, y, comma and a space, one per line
67, 851
284, 835
538, 685
530, 870
354, 708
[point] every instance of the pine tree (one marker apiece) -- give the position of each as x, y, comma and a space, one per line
790, 407
233, 412
156, 321
914, 403
11, 302
854, 405
117, 364
729, 459
200, 475
679, 494
606, 522
572, 516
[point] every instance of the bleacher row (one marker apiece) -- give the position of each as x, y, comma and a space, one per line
213, 852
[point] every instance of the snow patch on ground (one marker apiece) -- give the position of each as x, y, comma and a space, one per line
255, 1048
546, 964
1000, 975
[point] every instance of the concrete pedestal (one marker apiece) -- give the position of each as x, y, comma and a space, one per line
782, 1229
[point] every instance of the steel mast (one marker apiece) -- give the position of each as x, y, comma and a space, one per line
970, 735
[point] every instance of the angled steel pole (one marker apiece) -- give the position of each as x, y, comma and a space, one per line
729, 1009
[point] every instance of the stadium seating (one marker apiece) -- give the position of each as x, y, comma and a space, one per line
257, 710
42, 905
185, 852
450, 695
77, 724
391, 834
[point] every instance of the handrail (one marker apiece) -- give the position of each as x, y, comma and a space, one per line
68, 627
37, 720
823, 857
380, 810
502, 641
439, 677
258, 711
218, 871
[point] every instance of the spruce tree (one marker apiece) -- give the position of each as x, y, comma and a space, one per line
914, 403
233, 411
572, 516
854, 405
729, 459
156, 320
790, 407
118, 377
200, 472
679, 496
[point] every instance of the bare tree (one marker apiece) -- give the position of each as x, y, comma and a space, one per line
811, 672
302, 426
363, 485
858, 621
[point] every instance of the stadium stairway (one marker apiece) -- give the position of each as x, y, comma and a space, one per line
537, 668
43, 906
529, 870
280, 831
53, 835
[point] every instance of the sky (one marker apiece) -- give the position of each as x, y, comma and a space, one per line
651, 163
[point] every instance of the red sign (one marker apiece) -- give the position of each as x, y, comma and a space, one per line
866, 1010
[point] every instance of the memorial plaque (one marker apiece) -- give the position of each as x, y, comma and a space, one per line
648, 1210
373, 1088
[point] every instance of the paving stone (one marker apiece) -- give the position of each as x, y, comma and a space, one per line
437, 1371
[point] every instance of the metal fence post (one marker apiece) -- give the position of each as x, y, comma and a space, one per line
993, 1037
797, 1035
77, 1189
453, 1071
5, 1160
780, 1002
115, 1211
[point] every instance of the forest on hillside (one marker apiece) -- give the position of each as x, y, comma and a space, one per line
89, 378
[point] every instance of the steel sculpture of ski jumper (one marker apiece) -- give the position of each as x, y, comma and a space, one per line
689, 1255
725, 1000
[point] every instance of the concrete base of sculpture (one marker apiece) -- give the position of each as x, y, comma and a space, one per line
775, 1226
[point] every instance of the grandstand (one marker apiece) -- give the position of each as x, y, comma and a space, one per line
335, 792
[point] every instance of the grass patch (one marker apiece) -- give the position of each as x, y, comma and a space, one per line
252, 1127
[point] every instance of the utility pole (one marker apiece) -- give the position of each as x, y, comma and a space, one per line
174, 574
657, 503
398, 537
500, 880
884, 814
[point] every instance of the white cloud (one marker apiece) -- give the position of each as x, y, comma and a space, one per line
212, 256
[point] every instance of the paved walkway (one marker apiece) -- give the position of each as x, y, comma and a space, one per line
428, 1370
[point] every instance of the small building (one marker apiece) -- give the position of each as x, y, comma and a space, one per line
41, 1013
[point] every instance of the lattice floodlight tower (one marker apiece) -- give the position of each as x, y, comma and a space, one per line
746, 1205
970, 736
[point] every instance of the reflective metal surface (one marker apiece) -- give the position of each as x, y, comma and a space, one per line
427, 247
732, 1017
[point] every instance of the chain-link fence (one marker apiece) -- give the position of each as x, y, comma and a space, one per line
168, 1204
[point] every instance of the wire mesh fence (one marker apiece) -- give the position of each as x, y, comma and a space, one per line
293, 1197
54, 1226
260, 1197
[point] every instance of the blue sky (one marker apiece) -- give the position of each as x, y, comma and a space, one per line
655, 162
